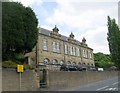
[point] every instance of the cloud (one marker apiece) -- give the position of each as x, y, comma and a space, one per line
29, 2
47, 27
85, 0
85, 20
79, 15
97, 39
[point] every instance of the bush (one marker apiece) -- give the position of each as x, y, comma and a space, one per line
9, 64
19, 57
28, 67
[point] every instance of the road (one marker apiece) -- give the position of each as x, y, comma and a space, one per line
104, 85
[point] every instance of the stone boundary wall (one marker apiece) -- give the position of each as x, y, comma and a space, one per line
11, 80
63, 79
56, 80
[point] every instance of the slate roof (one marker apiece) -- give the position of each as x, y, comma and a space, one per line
64, 38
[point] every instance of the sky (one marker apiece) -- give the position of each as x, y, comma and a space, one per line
85, 18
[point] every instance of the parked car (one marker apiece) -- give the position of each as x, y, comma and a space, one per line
79, 68
100, 69
93, 69
65, 67
72, 68
84, 68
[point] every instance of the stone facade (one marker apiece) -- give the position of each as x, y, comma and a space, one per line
54, 48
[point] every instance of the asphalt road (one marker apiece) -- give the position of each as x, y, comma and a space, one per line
104, 85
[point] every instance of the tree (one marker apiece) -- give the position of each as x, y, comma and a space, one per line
102, 60
19, 29
114, 41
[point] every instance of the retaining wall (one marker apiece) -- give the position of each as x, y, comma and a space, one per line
60, 80
11, 80
56, 80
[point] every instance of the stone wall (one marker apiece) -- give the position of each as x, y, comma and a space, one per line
56, 80
63, 79
11, 80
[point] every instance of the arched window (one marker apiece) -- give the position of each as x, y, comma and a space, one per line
84, 64
46, 61
61, 62
73, 63
92, 65
79, 63
68, 63
54, 62
88, 64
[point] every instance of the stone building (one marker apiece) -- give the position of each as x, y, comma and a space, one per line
54, 49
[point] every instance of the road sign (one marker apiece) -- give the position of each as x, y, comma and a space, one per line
20, 68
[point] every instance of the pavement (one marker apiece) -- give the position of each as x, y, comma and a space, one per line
104, 85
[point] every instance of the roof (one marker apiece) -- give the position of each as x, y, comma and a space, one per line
64, 38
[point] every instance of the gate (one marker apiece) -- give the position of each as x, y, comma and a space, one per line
43, 79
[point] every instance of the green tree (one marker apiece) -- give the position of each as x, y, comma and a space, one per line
114, 41
19, 29
102, 60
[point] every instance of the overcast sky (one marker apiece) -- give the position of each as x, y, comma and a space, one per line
85, 18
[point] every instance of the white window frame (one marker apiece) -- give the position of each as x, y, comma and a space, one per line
71, 50
58, 47
66, 49
84, 53
90, 55
45, 44
87, 53
54, 47
78, 50
74, 51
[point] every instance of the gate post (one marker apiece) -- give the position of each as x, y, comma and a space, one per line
48, 80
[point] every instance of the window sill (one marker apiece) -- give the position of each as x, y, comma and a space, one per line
57, 52
45, 50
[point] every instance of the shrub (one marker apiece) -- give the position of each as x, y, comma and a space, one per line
26, 66
9, 64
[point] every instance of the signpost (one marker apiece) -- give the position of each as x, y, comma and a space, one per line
20, 69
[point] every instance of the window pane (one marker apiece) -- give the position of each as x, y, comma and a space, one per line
87, 54
78, 52
66, 49
45, 61
74, 51
58, 47
84, 53
71, 50
90, 54
44, 44
54, 47
54, 62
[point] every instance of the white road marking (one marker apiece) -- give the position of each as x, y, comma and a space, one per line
115, 83
111, 89
114, 88
102, 88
